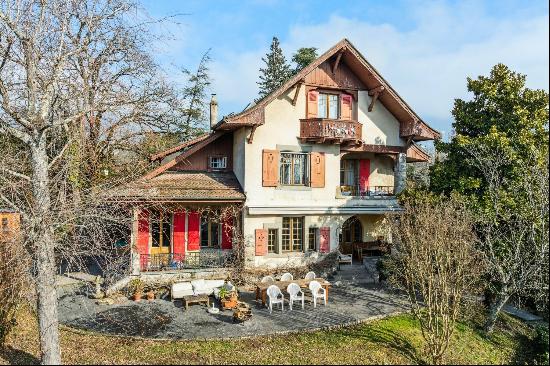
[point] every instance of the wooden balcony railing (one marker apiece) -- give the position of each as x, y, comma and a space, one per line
366, 192
321, 130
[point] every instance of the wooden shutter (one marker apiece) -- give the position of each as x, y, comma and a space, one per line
312, 104
324, 239
193, 228
179, 236
142, 242
261, 241
317, 170
346, 106
364, 174
227, 233
270, 168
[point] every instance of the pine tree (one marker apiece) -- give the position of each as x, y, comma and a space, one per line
303, 57
277, 70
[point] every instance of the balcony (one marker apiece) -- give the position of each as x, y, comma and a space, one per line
356, 191
331, 131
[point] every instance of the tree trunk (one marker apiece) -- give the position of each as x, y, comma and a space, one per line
45, 255
494, 310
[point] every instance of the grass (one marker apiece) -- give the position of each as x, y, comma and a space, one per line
394, 340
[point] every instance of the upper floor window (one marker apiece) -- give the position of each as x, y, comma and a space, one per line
217, 162
327, 106
293, 168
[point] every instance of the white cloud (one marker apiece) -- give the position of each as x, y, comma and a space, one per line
427, 64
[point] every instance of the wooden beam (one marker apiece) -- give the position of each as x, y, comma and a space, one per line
251, 137
298, 86
375, 93
337, 62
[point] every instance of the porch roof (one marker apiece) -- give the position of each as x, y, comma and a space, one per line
184, 186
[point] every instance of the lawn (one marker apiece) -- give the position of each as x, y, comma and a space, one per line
395, 340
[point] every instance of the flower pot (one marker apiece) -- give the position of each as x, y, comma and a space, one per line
150, 295
137, 296
229, 303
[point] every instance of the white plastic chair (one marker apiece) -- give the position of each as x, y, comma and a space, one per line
310, 276
267, 279
273, 292
287, 277
317, 292
295, 294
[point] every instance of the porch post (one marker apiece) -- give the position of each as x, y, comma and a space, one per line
134, 255
400, 172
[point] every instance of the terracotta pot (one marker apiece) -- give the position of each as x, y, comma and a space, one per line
229, 304
137, 296
150, 295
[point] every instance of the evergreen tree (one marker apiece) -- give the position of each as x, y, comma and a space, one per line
276, 71
303, 57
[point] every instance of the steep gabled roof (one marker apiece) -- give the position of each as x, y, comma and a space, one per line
192, 149
411, 124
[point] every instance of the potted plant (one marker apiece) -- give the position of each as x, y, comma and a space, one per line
150, 295
137, 286
228, 298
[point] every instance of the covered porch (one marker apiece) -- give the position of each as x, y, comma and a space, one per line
184, 221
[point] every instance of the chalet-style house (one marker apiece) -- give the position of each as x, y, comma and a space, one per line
312, 167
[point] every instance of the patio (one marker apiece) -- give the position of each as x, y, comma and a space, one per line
351, 301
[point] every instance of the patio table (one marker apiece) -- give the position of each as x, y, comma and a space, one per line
261, 287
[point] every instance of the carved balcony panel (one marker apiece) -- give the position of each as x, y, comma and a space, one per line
330, 131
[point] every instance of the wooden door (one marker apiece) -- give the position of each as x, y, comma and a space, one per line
161, 233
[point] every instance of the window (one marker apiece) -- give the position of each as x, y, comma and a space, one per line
293, 234
272, 240
348, 172
293, 169
210, 232
312, 238
327, 106
5, 227
161, 223
217, 162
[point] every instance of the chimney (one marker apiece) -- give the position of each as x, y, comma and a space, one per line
213, 111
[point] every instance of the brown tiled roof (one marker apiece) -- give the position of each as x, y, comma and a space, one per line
184, 186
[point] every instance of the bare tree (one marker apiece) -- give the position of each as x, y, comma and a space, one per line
72, 79
514, 238
435, 252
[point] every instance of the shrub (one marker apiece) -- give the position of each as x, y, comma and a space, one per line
385, 267
540, 345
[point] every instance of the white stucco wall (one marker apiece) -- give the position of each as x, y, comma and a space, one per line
380, 127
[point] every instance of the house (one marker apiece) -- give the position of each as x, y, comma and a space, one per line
310, 168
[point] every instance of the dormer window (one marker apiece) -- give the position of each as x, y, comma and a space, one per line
327, 106
217, 162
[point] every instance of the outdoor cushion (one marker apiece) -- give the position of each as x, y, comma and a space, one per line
213, 283
181, 289
199, 287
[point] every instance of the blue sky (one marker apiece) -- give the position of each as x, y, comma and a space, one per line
425, 49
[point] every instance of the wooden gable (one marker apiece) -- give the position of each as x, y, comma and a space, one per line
342, 78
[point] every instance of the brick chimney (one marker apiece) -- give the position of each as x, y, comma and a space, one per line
213, 111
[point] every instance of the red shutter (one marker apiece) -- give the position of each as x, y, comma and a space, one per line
346, 106
227, 233
364, 174
179, 236
312, 105
324, 239
261, 241
193, 237
143, 238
